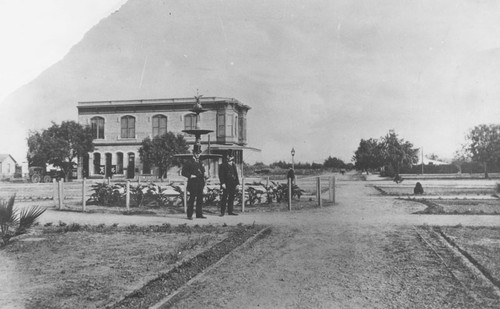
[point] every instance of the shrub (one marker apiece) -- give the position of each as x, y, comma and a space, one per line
14, 222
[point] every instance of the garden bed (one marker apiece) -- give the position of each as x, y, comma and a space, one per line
98, 266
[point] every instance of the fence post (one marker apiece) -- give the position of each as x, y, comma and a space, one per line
60, 187
289, 193
109, 180
318, 190
56, 191
185, 197
83, 195
332, 189
242, 194
127, 197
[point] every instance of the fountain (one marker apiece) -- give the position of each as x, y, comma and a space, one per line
197, 132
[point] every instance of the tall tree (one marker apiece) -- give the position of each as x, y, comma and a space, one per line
483, 145
334, 162
368, 155
60, 145
398, 152
160, 151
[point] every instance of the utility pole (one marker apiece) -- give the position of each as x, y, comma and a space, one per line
422, 160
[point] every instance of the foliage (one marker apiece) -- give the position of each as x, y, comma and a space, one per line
483, 145
368, 155
141, 195
59, 145
160, 151
14, 222
333, 162
398, 153
390, 152
153, 195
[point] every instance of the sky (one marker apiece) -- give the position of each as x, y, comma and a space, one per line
36, 34
430, 70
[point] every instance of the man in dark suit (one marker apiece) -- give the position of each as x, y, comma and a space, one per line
194, 171
229, 181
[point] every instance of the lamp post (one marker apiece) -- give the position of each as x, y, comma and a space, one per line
293, 154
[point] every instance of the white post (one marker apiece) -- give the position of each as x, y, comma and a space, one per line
318, 187
56, 191
83, 195
60, 186
332, 189
127, 197
289, 193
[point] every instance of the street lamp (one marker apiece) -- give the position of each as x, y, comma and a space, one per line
293, 154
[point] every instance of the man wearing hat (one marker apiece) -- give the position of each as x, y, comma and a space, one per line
194, 171
229, 181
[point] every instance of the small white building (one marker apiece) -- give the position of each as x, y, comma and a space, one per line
7, 166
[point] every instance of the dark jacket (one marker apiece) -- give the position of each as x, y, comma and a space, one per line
191, 168
228, 174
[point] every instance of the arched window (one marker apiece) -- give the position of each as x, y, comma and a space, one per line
159, 125
190, 122
128, 127
119, 163
97, 164
97, 126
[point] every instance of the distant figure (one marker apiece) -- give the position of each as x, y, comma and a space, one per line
398, 179
418, 189
229, 182
291, 175
342, 171
194, 171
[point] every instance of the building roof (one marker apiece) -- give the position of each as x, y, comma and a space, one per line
429, 161
5, 156
159, 102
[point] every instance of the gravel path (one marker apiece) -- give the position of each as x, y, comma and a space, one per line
361, 253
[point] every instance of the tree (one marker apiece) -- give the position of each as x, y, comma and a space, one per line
460, 158
398, 153
160, 151
60, 145
333, 162
368, 155
483, 145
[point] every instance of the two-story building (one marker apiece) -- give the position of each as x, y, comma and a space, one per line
119, 127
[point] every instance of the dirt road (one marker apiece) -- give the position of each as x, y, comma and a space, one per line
361, 253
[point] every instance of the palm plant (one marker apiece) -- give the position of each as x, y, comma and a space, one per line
12, 223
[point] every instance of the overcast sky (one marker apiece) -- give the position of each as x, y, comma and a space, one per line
37, 33
428, 69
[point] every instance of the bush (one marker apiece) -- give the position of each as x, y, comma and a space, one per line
14, 222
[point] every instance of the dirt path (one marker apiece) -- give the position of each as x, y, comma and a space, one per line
361, 253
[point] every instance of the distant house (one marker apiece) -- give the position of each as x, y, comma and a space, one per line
7, 166
428, 161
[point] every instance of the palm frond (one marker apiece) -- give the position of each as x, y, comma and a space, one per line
28, 216
8, 215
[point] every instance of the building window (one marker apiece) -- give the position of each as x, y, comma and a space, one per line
119, 163
159, 125
229, 131
190, 122
128, 127
97, 126
97, 163
221, 125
